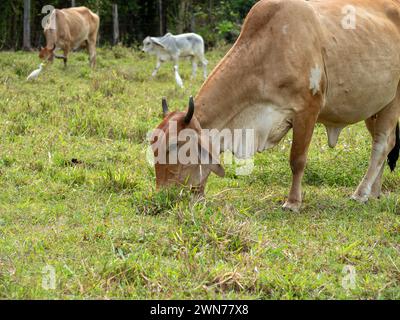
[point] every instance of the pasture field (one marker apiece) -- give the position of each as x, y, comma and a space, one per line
78, 197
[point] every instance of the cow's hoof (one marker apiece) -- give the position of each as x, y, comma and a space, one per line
292, 206
376, 193
376, 196
360, 199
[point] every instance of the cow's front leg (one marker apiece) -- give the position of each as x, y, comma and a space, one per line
158, 66
303, 128
65, 58
92, 53
178, 78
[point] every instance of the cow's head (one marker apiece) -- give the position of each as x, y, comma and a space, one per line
150, 45
183, 156
47, 54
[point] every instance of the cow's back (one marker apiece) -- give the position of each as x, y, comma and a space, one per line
299, 48
190, 44
77, 24
361, 42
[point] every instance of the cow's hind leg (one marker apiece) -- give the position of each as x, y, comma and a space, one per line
303, 128
194, 67
377, 186
384, 130
204, 63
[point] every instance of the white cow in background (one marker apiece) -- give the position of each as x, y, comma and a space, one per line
170, 47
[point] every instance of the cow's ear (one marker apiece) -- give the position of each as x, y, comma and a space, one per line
217, 169
157, 42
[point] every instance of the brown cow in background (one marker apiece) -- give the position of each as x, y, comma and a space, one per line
70, 29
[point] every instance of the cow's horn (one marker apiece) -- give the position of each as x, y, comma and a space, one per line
54, 48
190, 113
164, 106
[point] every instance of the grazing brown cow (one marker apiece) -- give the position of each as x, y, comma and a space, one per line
297, 63
70, 29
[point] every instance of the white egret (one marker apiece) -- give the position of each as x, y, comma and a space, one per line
178, 77
35, 74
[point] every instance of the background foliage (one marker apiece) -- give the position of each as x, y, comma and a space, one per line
215, 20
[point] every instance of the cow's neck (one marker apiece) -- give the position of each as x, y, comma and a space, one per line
51, 38
51, 30
233, 97
221, 96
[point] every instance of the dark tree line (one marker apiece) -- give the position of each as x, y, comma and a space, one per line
127, 21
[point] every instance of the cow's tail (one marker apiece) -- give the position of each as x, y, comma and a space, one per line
395, 153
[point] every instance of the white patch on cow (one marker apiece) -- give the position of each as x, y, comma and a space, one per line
285, 29
272, 127
269, 122
315, 80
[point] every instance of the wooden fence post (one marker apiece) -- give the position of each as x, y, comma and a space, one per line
73, 4
115, 24
27, 25
98, 13
161, 17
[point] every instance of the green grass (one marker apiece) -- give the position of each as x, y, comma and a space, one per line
77, 194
